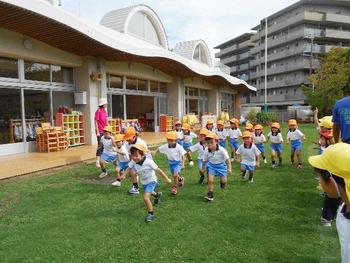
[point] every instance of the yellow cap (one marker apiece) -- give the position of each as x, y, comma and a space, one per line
210, 122
258, 127
140, 146
186, 126
130, 133
326, 122
204, 131
220, 122
119, 137
212, 135
246, 134
276, 125
335, 159
249, 126
234, 120
178, 123
172, 135
108, 129
292, 122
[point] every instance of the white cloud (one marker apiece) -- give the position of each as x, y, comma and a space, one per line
214, 21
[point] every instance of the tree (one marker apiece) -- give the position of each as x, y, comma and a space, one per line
331, 80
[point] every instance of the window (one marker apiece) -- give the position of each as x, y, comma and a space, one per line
8, 68
200, 54
162, 87
154, 86
131, 84
142, 85
36, 71
115, 82
62, 74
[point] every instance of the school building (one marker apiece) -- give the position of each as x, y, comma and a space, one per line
50, 58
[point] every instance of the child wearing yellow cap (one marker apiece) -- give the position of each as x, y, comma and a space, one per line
276, 139
260, 140
176, 159
295, 137
248, 155
221, 133
234, 133
200, 148
146, 168
122, 160
108, 154
210, 126
179, 133
217, 161
188, 137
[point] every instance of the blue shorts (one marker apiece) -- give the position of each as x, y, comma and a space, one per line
261, 147
296, 145
246, 167
149, 188
276, 147
234, 143
123, 165
219, 169
175, 166
187, 145
222, 143
108, 158
180, 142
200, 164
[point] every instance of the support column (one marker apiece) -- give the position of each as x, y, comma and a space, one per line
176, 98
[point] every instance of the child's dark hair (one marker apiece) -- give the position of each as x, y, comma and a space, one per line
134, 150
275, 133
327, 175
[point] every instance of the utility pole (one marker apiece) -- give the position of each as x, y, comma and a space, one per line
265, 99
311, 37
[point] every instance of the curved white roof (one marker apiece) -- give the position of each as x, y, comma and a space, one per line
187, 48
119, 20
119, 42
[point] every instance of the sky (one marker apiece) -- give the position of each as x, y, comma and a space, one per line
214, 21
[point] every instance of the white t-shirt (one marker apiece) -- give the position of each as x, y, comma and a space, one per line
221, 134
275, 139
200, 148
216, 157
173, 154
180, 135
189, 138
146, 171
138, 140
295, 135
248, 155
234, 133
125, 156
108, 146
259, 139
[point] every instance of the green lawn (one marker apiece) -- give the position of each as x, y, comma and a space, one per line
65, 217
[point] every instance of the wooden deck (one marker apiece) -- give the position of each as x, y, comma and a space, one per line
22, 164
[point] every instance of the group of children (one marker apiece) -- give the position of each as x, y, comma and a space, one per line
131, 156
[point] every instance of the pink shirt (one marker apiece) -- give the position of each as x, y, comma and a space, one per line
101, 117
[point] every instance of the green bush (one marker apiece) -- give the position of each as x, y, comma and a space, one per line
266, 118
251, 116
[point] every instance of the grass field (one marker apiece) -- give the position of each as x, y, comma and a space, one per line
66, 217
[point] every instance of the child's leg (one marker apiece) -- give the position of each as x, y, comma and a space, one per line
223, 181
210, 185
117, 172
300, 160
148, 203
202, 176
292, 154
251, 174
135, 185
189, 156
243, 170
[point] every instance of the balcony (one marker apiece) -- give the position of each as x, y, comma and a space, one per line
337, 19
337, 34
275, 99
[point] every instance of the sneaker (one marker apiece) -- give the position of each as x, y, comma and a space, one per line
273, 166
300, 166
232, 160
157, 199
117, 183
103, 174
181, 181
251, 181
191, 163
174, 190
98, 165
134, 191
265, 161
209, 198
149, 218
325, 222
201, 179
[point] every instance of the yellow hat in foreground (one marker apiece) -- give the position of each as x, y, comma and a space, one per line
292, 122
335, 159
140, 147
326, 122
119, 137
108, 129
212, 135
204, 131
246, 134
172, 135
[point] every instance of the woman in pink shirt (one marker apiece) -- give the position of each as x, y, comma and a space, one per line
101, 121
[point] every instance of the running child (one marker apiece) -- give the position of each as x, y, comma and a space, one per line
210, 126
108, 154
221, 133
234, 133
294, 136
248, 156
276, 139
260, 140
146, 168
200, 147
122, 160
176, 158
217, 160
179, 133
188, 137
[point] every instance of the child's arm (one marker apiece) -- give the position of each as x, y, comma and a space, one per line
229, 166
118, 151
154, 152
238, 157
165, 177
183, 159
203, 166
317, 123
